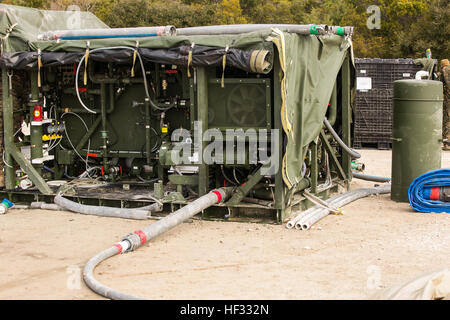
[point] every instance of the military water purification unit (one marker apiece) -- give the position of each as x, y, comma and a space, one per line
127, 117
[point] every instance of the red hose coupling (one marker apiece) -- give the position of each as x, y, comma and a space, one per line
219, 195
142, 236
119, 248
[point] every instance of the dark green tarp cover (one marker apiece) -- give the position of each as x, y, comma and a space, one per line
310, 63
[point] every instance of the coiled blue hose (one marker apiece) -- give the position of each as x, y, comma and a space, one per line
419, 194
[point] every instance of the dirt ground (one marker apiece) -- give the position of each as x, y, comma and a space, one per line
376, 244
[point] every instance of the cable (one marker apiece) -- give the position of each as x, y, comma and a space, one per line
235, 178
70, 142
225, 176
109, 48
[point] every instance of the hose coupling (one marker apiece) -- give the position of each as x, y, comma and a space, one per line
223, 193
135, 240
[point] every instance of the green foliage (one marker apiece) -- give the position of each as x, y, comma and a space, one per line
408, 27
27, 3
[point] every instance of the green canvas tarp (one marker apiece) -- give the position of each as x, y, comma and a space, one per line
310, 63
20, 25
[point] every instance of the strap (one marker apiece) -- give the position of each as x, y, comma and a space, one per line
3, 39
224, 62
39, 63
190, 59
86, 57
134, 58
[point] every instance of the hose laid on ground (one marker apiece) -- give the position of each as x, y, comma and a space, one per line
351, 152
370, 178
307, 218
425, 192
311, 211
137, 214
138, 238
346, 198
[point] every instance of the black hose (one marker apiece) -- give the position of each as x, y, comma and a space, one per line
370, 178
351, 152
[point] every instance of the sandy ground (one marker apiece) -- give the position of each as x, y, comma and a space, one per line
376, 244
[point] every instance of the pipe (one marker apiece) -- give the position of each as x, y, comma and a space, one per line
104, 131
148, 147
137, 214
244, 28
312, 211
339, 201
112, 106
138, 238
292, 223
351, 152
108, 33
370, 178
36, 126
147, 94
341, 31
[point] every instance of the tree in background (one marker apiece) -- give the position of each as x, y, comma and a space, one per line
408, 27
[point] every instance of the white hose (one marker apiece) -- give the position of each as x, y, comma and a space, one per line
341, 200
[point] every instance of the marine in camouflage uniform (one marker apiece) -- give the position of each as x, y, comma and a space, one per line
445, 77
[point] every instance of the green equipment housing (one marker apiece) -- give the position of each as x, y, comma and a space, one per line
95, 116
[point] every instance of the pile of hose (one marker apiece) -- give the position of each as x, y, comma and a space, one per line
425, 192
307, 218
138, 238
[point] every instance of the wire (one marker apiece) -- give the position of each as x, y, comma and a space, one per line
102, 49
147, 94
225, 176
70, 142
235, 178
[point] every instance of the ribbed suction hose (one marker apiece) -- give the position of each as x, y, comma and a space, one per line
138, 238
